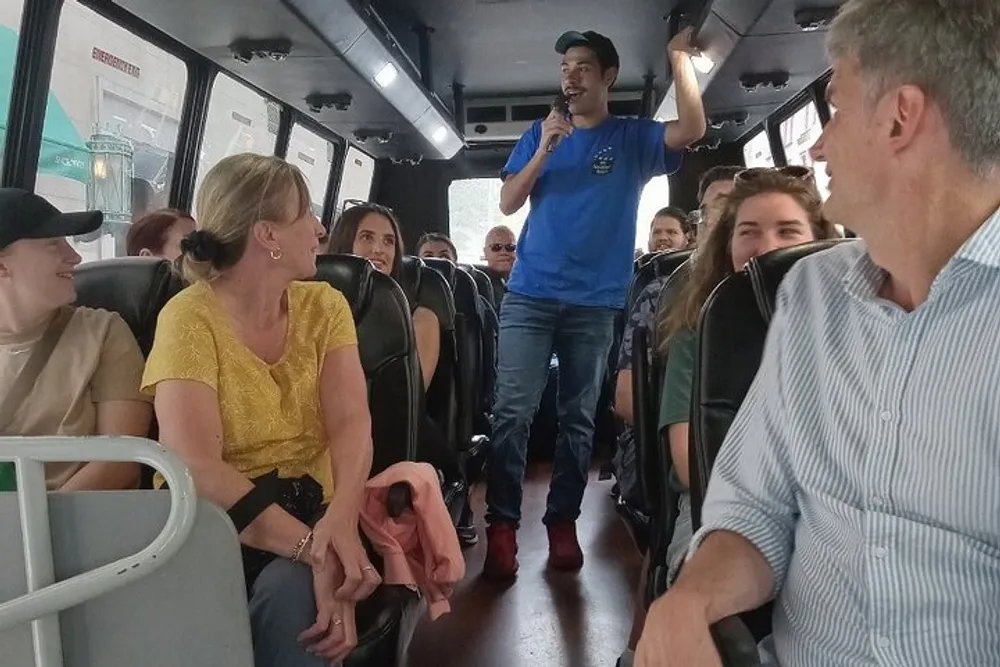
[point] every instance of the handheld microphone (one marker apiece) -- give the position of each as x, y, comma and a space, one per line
560, 104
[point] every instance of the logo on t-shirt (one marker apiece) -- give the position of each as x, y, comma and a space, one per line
604, 162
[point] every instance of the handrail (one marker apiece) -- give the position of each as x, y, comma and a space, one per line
51, 598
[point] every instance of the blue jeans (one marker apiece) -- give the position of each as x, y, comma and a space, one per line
530, 331
282, 605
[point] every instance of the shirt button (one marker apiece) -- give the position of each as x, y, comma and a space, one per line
885, 416
881, 552
877, 501
882, 642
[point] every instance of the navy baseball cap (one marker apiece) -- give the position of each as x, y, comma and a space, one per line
25, 215
607, 54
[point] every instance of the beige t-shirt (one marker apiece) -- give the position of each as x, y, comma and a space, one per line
97, 359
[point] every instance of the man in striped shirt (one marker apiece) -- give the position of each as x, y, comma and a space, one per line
860, 482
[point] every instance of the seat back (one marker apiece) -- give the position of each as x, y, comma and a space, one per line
483, 282
491, 333
431, 290
191, 612
647, 384
732, 332
469, 336
655, 266
136, 288
499, 284
388, 353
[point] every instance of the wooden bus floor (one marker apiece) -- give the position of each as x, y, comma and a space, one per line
545, 618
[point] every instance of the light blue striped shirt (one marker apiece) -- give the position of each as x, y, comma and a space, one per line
865, 464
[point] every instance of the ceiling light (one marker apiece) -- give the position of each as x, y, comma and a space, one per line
439, 135
702, 63
386, 75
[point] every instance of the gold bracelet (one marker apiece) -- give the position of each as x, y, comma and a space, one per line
301, 547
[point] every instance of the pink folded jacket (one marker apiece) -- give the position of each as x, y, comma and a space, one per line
420, 548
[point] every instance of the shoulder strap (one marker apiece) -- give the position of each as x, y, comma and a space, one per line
25, 380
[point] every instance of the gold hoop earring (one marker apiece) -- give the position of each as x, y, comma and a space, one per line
276, 254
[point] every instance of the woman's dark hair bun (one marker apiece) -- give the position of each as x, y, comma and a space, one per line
202, 246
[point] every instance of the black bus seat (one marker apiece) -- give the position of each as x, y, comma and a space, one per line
732, 331
136, 288
431, 290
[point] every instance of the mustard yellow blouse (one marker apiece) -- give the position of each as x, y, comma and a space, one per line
271, 414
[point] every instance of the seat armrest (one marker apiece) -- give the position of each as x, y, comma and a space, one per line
735, 643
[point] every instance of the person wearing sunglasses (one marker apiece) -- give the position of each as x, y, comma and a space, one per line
584, 171
857, 487
500, 250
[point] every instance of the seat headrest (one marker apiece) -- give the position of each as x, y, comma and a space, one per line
436, 295
349, 274
483, 282
410, 274
134, 287
445, 267
667, 262
767, 271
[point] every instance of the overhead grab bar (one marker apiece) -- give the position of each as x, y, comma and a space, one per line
51, 598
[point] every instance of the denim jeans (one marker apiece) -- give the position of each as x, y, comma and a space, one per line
530, 331
282, 605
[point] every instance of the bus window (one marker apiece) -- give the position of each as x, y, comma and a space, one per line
473, 210
10, 23
798, 134
314, 156
111, 125
655, 195
356, 181
757, 151
239, 121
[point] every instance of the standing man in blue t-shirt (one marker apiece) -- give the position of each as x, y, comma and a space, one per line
574, 263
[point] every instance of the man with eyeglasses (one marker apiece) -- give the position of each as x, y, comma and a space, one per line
500, 250
584, 171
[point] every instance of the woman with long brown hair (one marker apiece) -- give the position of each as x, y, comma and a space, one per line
767, 209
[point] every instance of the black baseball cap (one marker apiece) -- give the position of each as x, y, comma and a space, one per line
607, 54
25, 215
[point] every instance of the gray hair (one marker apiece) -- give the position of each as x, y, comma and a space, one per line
949, 48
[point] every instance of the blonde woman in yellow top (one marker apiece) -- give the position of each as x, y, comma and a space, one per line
259, 389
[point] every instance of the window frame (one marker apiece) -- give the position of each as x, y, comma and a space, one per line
32, 78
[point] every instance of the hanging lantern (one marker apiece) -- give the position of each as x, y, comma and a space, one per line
109, 188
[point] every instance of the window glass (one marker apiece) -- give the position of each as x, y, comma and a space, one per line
474, 209
655, 195
798, 134
356, 180
10, 24
314, 156
110, 125
239, 121
757, 151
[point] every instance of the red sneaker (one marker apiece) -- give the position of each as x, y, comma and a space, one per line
501, 551
564, 548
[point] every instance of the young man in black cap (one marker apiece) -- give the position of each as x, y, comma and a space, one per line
63, 370
584, 171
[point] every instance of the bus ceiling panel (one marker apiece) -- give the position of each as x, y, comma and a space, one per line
771, 17
506, 47
209, 27
802, 56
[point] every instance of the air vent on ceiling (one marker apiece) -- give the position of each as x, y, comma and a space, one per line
506, 119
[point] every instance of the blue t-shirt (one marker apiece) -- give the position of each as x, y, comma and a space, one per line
578, 242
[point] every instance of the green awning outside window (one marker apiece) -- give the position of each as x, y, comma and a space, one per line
63, 151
